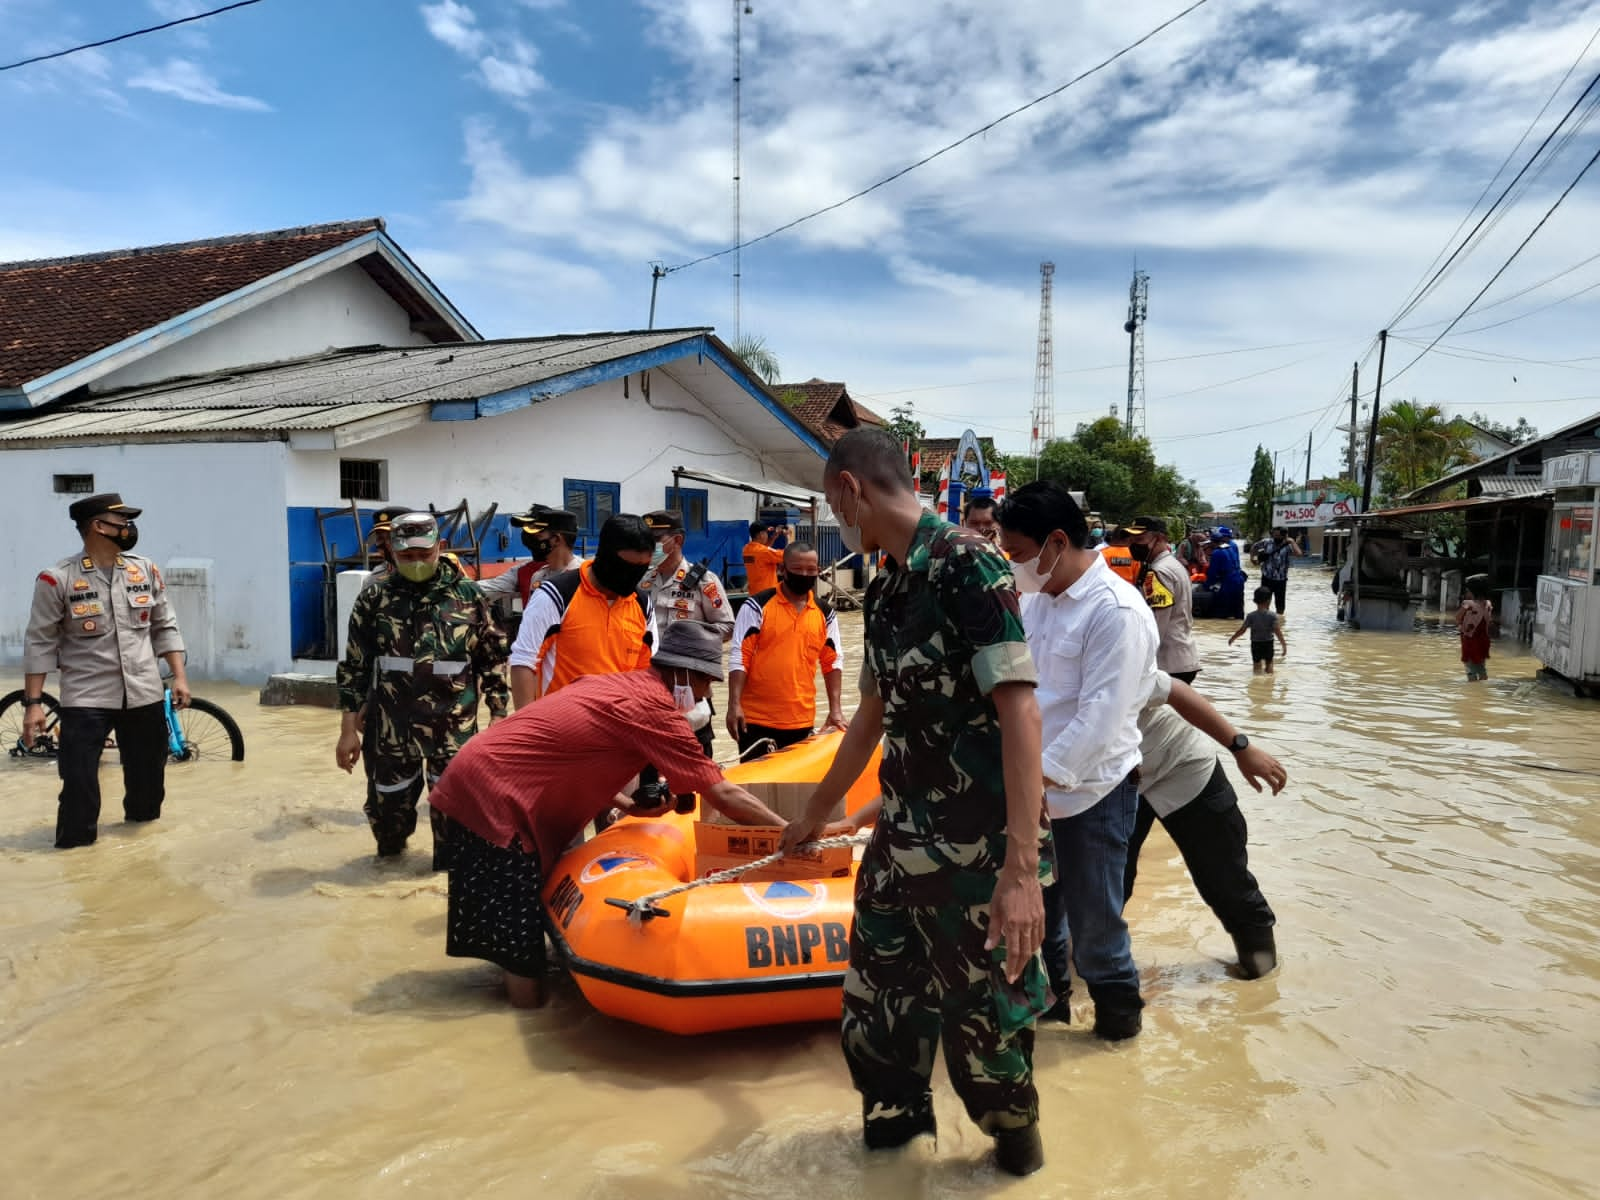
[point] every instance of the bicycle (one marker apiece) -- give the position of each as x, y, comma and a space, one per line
201, 732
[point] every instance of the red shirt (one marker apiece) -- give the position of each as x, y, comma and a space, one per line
549, 769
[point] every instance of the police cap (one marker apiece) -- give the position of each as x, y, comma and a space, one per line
547, 520
664, 520
93, 506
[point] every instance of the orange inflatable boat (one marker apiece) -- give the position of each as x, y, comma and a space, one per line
724, 955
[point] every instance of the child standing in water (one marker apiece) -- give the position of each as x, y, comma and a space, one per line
1261, 624
1473, 619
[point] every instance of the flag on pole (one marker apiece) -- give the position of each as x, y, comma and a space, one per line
943, 491
997, 487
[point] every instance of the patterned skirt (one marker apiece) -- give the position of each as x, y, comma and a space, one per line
495, 912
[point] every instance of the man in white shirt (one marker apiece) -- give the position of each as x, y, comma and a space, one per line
1093, 641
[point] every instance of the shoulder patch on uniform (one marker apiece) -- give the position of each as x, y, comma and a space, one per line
46, 577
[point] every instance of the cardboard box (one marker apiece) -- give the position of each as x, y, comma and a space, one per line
719, 847
788, 800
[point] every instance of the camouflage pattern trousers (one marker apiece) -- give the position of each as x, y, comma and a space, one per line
396, 776
919, 975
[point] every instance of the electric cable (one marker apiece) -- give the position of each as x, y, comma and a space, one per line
1456, 320
122, 37
924, 161
1434, 280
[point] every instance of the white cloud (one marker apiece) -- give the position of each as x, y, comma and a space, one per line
188, 80
1282, 178
510, 72
456, 26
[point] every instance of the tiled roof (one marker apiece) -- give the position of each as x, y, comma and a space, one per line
55, 312
826, 408
935, 452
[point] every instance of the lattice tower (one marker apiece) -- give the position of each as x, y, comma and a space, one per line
1044, 376
1138, 314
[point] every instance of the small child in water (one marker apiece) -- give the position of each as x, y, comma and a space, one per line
1473, 620
1262, 625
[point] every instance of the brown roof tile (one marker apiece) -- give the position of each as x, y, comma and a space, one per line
826, 408
57, 311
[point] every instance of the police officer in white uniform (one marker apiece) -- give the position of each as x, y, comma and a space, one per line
684, 591
102, 618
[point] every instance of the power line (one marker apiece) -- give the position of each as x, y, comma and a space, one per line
1594, 158
1532, 287
924, 161
1433, 281
1531, 312
122, 37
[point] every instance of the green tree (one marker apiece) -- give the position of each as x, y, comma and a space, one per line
1517, 434
1417, 443
758, 356
1256, 516
904, 425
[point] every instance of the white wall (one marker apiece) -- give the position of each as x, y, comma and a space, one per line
523, 456
342, 308
223, 502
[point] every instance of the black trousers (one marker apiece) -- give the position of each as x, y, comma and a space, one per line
1210, 833
780, 737
1279, 589
1185, 676
142, 745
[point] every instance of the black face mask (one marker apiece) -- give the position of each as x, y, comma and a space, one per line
126, 538
1139, 553
616, 574
537, 543
799, 585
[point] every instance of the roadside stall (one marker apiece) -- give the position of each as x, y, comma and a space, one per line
1566, 635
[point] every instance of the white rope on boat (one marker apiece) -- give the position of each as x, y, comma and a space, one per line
645, 907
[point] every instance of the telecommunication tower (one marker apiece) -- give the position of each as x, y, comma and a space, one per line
1138, 314
1044, 378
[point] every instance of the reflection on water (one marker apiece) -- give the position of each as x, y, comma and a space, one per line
240, 1002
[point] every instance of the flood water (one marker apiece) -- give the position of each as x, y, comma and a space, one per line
237, 1001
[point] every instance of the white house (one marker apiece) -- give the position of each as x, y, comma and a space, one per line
264, 415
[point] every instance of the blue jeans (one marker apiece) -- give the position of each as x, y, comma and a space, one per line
1083, 908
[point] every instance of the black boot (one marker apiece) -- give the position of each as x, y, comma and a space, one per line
391, 847
888, 1127
1019, 1151
1117, 1024
1258, 951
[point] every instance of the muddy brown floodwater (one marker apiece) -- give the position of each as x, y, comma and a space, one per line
238, 1002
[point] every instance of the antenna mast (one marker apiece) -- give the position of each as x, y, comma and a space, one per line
740, 8
1138, 314
1044, 379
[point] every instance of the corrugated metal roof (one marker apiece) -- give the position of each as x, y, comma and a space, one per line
331, 390
1511, 485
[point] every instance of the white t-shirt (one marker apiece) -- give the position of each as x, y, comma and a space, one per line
1095, 649
1178, 760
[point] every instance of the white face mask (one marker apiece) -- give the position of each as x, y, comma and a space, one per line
699, 716
1030, 577
850, 534
683, 696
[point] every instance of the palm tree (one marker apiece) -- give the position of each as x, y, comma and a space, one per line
1417, 443
758, 356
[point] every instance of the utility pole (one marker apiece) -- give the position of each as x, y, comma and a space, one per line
1355, 388
657, 272
1372, 430
1308, 459
740, 7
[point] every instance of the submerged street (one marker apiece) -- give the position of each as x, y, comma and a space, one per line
239, 1001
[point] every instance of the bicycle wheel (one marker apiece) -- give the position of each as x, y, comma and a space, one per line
209, 734
12, 711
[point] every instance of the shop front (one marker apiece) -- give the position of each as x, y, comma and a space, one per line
1566, 635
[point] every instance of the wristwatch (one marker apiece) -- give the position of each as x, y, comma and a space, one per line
1239, 744
30, 701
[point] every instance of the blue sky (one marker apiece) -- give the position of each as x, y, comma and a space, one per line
1285, 170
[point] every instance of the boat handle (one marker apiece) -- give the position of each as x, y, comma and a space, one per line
635, 909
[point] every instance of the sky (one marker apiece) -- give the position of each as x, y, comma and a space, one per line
1286, 171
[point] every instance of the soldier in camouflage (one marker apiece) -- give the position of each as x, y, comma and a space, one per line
423, 648
949, 915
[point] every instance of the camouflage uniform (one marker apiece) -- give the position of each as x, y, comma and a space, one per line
941, 632
418, 658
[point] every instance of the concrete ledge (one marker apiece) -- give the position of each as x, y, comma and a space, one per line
297, 688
